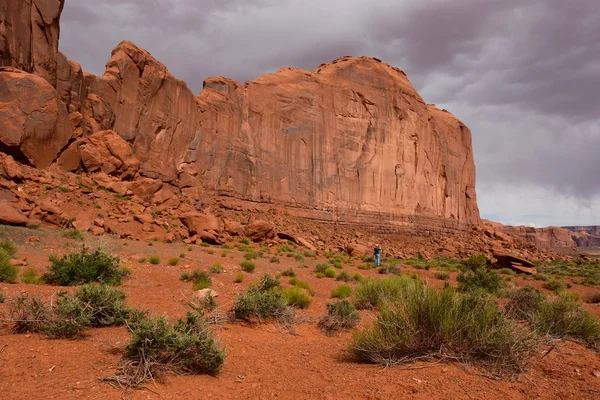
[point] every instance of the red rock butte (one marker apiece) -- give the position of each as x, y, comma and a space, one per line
351, 142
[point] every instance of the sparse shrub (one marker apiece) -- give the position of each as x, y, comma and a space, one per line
342, 292
474, 262
302, 284
190, 248
506, 271
181, 255
224, 253
63, 189
84, 267
480, 278
364, 267
157, 348
263, 301
239, 278
245, 241
423, 322
204, 244
299, 257
185, 277
28, 314
217, 268
2, 297
67, 319
30, 277
357, 277
562, 317
9, 247
444, 276
321, 268
289, 272
252, 255
173, 261
340, 315
8, 272
594, 299
555, 285
390, 270
74, 234
211, 252
142, 260
343, 277
297, 297
329, 273
274, 260
368, 259
248, 266
105, 305
154, 260
373, 292
319, 275
201, 280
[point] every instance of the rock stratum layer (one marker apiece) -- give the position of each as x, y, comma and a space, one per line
351, 141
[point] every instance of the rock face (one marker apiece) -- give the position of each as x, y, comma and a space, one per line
350, 142
29, 31
33, 120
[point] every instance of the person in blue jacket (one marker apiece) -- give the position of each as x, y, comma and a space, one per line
377, 253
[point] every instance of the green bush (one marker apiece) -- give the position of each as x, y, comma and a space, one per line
74, 234
30, 277
555, 285
289, 272
444, 276
84, 267
173, 261
297, 297
217, 268
106, 306
67, 319
2, 297
28, 314
426, 323
480, 278
9, 247
390, 270
239, 278
186, 347
329, 273
154, 260
201, 280
594, 299
340, 315
8, 272
474, 262
245, 241
342, 292
263, 300
321, 268
343, 277
563, 317
248, 266
274, 260
302, 284
374, 292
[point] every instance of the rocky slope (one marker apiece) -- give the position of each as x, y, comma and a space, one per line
349, 142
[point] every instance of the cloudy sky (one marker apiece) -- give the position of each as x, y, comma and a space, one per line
524, 75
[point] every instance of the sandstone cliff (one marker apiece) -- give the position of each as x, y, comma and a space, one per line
351, 141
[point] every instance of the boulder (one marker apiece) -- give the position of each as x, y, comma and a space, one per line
145, 188
34, 122
259, 230
204, 293
506, 260
9, 215
10, 169
357, 250
197, 223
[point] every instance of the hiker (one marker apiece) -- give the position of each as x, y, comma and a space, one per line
377, 253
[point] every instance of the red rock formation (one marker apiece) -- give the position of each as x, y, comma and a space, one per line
33, 120
29, 31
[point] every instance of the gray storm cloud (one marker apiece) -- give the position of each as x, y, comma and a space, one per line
523, 74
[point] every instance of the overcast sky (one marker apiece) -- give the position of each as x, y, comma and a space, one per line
524, 75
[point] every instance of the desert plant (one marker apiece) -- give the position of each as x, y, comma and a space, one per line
390, 270
28, 314
444, 276
342, 292
263, 300
245, 241
555, 285
329, 273
289, 272
373, 292
9, 247
84, 267
73, 234
8, 272
426, 323
158, 347
154, 260
302, 284
320, 268
217, 268
185, 277
343, 277
67, 319
30, 277
201, 280
173, 261
2, 297
239, 278
106, 306
594, 298
474, 262
480, 278
340, 315
248, 266
297, 297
